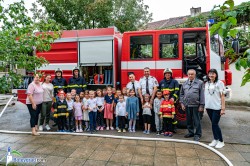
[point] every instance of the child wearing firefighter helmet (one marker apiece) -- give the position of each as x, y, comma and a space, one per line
61, 112
170, 84
167, 112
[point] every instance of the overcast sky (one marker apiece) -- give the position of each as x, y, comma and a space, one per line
163, 9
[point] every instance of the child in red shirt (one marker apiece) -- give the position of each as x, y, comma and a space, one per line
167, 111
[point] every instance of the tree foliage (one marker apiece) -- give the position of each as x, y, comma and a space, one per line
18, 39
226, 27
87, 14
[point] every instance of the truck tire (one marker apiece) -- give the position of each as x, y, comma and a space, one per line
180, 116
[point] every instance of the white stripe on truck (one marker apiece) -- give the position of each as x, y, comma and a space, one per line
62, 66
175, 64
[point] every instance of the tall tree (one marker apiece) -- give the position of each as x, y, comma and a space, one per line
86, 14
18, 39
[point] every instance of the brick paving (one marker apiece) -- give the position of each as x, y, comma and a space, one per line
71, 150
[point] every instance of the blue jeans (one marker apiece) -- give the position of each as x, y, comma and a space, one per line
214, 116
92, 120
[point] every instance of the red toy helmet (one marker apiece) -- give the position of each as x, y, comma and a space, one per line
166, 92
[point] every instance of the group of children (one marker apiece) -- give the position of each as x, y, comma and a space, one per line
92, 107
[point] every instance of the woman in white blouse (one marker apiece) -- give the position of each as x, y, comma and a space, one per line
215, 105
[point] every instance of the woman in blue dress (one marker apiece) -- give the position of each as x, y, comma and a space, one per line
132, 109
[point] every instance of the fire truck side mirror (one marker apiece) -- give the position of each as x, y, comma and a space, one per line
236, 46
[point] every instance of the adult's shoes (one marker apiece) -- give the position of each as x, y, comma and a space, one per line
188, 135
213, 143
196, 138
219, 145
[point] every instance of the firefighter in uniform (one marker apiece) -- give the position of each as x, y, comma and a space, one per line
148, 85
59, 82
77, 82
170, 84
133, 84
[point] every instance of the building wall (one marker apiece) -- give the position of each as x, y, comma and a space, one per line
239, 94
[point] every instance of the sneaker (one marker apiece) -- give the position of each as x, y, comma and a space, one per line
129, 130
170, 134
166, 134
119, 131
145, 132
107, 128
80, 130
148, 132
47, 127
124, 130
98, 128
157, 133
117, 128
213, 143
162, 133
219, 145
77, 130
88, 129
101, 128
112, 128
41, 128
133, 130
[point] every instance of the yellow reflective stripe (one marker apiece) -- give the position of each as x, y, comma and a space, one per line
176, 88
172, 89
62, 114
77, 86
167, 116
175, 95
175, 122
62, 106
166, 105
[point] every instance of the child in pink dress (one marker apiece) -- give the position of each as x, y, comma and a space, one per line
77, 107
108, 108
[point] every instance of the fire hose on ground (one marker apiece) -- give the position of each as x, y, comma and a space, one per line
119, 137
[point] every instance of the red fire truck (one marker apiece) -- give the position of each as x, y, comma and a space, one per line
105, 57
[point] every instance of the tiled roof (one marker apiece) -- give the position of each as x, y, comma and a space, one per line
167, 23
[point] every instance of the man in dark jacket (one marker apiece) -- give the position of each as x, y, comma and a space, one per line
77, 82
170, 84
192, 101
59, 82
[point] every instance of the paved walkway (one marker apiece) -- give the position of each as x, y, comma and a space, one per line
69, 150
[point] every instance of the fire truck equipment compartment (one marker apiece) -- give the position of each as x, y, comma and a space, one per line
94, 53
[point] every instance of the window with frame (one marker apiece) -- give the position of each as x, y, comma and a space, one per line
190, 50
141, 47
168, 46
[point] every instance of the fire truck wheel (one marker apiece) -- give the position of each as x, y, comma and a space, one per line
181, 117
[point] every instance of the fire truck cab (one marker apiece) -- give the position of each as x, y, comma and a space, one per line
178, 49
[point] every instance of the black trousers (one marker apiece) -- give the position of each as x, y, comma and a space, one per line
193, 121
61, 121
167, 125
34, 114
70, 120
100, 118
121, 120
